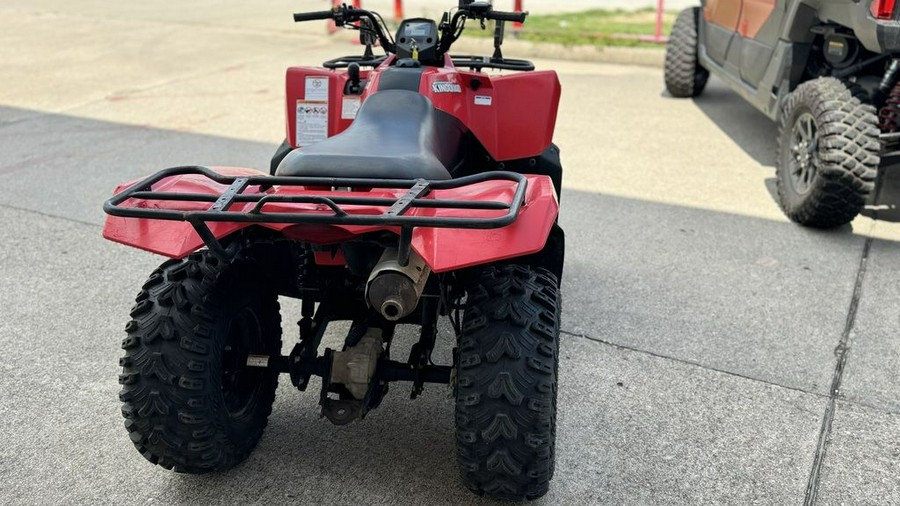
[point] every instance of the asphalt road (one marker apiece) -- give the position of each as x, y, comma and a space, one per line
704, 334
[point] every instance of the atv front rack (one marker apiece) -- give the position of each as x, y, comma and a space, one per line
394, 216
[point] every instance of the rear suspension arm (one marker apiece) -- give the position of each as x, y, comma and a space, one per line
387, 370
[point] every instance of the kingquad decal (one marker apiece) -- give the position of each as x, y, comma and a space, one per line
445, 87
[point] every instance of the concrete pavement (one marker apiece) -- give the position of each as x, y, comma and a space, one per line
698, 363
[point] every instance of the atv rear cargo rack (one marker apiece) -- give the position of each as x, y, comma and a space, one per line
394, 216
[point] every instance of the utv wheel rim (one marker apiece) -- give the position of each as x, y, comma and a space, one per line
804, 161
240, 384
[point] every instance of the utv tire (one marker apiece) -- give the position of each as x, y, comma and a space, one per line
506, 382
684, 76
828, 154
187, 404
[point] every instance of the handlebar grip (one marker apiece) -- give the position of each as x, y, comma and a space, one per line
312, 16
515, 17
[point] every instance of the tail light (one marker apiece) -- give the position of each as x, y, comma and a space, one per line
882, 9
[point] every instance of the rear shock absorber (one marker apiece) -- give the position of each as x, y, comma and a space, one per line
889, 113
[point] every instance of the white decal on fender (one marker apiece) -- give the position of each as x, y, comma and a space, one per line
350, 107
316, 89
312, 122
445, 87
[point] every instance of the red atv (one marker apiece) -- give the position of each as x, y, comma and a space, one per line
408, 190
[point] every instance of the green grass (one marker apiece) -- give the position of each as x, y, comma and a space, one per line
598, 27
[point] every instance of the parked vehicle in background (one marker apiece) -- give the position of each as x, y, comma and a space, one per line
825, 71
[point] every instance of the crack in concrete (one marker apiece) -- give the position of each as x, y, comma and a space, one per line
50, 215
689, 362
842, 351
845, 400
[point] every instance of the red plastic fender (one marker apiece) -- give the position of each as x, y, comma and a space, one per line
174, 239
512, 115
448, 249
443, 249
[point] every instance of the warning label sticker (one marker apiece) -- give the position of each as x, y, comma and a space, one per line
312, 122
350, 108
316, 89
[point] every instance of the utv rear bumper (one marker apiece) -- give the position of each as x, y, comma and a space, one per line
888, 36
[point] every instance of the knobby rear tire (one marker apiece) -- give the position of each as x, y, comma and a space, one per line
508, 356
187, 404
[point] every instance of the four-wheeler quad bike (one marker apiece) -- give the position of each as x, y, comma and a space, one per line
405, 192
826, 70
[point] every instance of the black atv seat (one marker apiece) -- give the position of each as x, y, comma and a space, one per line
397, 134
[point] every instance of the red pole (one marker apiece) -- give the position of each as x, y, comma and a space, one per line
398, 10
659, 20
518, 8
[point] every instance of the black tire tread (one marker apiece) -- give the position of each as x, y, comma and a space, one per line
849, 150
172, 401
507, 382
684, 76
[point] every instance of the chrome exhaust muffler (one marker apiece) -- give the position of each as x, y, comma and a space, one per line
394, 290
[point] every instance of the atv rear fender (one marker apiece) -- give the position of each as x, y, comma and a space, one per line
460, 239
513, 116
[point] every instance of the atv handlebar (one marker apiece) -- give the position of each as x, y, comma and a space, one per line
485, 10
515, 17
312, 16
345, 15
451, 28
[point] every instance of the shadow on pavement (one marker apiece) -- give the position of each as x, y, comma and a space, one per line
750, 129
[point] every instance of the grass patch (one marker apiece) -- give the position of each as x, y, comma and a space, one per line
598, 27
